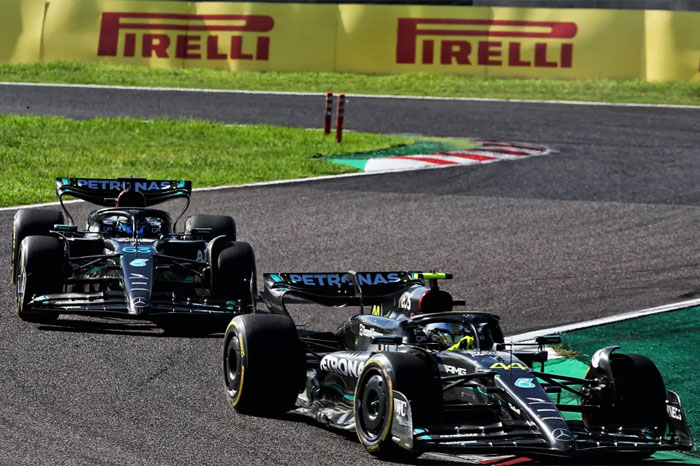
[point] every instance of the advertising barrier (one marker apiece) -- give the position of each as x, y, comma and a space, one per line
20, 30
477, 41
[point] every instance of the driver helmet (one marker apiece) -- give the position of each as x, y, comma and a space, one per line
454, 335
149, 227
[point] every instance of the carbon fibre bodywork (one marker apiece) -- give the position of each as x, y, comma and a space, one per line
130, 262
495, 397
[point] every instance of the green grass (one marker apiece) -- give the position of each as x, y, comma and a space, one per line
608, 90
34, 150
670, 339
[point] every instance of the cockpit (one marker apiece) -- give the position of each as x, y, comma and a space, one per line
134, 223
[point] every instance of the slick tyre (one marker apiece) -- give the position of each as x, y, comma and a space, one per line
234, 273
31, 222
39, 272
639, 399
218, 225
264, 364
415, 375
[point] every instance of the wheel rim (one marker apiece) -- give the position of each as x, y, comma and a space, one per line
21, 288
232, 365
373, 406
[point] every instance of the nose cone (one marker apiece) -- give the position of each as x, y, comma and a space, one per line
138, 277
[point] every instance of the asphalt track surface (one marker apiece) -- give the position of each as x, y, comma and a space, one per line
606, 225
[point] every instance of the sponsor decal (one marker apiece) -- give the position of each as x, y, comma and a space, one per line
207, 37
563, 435
674, 412
334, 279
453, 369
376, 310
405, 301
113, 185
138, 301
342, 366
507, 367
400, 407
524, 383
138, 276
485, 42
368, 332
138, 263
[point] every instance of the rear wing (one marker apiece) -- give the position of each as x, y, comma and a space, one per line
342, 288
104, 192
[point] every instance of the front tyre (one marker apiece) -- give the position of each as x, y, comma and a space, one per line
264, 364
40, 271
415, 376
29, 222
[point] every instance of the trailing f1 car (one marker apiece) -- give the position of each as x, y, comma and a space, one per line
414, 376
130, 261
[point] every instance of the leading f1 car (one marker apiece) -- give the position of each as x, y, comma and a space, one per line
414, 376
130, 261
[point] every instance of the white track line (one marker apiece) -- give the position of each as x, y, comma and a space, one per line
529, 336
365, 96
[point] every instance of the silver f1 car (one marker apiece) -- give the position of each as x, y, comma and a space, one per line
414, 376
129, 261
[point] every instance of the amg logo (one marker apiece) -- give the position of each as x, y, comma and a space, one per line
342, 366
210, 37
456, 43
453, 370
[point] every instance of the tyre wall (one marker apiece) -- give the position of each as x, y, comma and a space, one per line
655, 45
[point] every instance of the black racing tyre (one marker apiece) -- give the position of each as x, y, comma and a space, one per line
416, 376
219, 225
39, 272
264, 364
640, 395
31, 222
234, 274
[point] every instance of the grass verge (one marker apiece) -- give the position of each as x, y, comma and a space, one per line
670, 339
34, 150
416, 84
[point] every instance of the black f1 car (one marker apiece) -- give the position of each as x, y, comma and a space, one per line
129, 261
416, 376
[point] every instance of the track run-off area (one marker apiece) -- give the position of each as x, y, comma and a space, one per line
605, 225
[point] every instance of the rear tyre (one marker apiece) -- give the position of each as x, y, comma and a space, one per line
415, 375
39, 272
30, 222
218, 225
264, 364
234, 275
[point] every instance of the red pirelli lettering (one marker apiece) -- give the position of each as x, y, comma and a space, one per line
187, 45
415, 34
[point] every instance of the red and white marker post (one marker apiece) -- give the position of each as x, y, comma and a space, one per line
329, 114
340, 117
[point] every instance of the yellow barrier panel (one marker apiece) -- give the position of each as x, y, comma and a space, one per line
20, 30
235, 36
672, 46
481, 41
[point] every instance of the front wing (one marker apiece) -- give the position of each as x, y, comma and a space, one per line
114, 304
